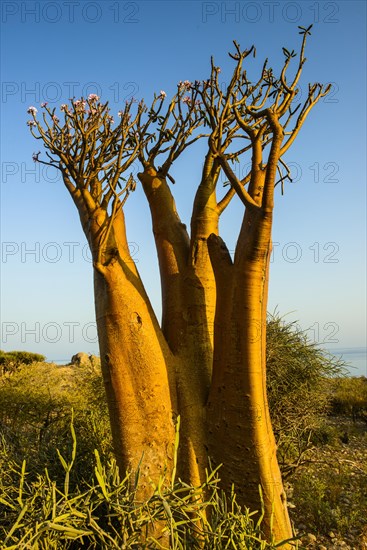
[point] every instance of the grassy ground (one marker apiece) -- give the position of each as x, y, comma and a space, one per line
327, 494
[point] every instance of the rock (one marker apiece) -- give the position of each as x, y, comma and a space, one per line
80, 359
311, 537
331, 535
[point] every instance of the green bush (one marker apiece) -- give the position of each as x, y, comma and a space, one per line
11, 360
298, 376
35, 412
349, 397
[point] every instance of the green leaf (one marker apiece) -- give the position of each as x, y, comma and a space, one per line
62, 460
102, 484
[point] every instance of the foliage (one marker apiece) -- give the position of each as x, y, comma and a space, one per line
104, 514
349, 397
298, 373
11, 360
35, 409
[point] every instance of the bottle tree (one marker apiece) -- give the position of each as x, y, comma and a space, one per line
205, 360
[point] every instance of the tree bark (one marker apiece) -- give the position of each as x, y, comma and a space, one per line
184, 321
240, 432
137, 364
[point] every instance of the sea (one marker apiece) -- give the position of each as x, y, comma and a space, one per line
355, 359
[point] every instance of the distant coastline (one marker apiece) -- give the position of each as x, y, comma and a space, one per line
356, 359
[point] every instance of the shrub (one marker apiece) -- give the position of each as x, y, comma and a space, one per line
298, 373
11, 360
349, 397
35, 412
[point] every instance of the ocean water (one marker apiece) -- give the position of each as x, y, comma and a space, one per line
356, 359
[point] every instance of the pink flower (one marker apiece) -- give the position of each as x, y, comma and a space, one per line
32, 110
187, 100
55, 119
185, 85
93, 97
64, 107
162, 95
44, 104
31, 123
79, 104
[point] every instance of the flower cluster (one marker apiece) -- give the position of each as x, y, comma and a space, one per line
44, 104
186, 100
80, 104
31, 123
110, 119
64, 107
186, 85
93, 97
55, 119
32, 110
162, 95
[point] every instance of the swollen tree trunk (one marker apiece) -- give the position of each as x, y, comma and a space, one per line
241, 436
137, 365
188, 298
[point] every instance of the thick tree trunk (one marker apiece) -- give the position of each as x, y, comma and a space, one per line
240, 432
137, 364
188, 298
134, 366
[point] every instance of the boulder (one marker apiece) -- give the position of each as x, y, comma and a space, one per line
80, 359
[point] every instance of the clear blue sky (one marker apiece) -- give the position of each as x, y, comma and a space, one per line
54, 50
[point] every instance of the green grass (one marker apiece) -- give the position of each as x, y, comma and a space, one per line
103, 513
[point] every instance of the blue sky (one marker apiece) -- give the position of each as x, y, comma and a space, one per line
54, 50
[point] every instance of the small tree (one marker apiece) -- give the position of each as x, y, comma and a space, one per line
206, 360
